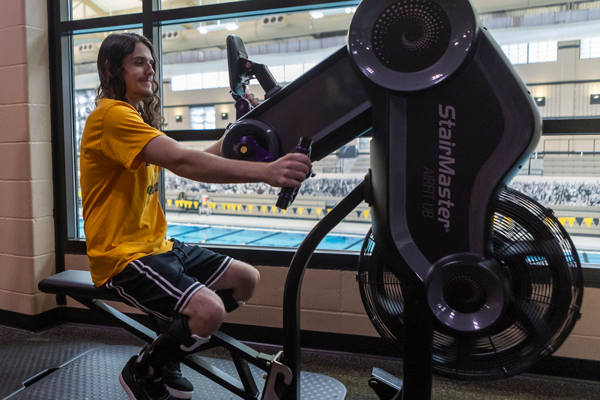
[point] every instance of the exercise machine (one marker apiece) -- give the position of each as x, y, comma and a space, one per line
467, 278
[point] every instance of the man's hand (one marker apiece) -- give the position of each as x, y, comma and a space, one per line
251, 99
288, 171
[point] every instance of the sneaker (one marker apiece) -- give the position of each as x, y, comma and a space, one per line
176, 384
142, 387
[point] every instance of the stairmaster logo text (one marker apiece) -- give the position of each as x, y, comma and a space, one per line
445, 165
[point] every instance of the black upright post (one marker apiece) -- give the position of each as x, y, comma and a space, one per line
291, 295
418, 343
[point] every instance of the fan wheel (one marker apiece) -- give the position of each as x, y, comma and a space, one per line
546, 284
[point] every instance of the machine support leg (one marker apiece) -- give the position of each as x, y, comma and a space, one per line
121, 319
291, 295
418, 344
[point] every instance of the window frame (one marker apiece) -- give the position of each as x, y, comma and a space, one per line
151, 19
61, 30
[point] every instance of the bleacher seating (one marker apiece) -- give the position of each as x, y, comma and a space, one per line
328, 164
573, 165
361, 165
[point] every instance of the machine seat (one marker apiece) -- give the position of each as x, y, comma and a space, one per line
75, 283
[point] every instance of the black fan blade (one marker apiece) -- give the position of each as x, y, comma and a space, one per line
546, 284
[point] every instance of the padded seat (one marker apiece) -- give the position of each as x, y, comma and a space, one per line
75, 283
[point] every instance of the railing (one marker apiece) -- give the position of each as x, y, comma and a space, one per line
581, 153
531, 171
573, 146
333, 170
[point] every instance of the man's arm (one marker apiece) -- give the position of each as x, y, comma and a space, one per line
215, 148
204, 166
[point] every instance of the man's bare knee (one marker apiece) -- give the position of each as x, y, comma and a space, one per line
205, 311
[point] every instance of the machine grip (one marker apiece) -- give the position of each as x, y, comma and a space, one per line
288, 194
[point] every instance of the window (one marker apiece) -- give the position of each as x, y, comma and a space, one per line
202, 118
208, 80
364, 145
180, 82
220, 79
195, 71
292, 72
172, 4
543, 52
516, 53
590, 48
85, 9
198, 108
196, 88
524, 53
83, 101
195, 97
84, 104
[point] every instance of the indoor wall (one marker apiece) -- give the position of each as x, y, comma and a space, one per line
26, 221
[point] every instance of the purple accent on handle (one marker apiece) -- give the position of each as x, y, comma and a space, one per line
254, 151
242, 107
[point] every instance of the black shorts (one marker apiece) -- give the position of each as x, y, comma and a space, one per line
164, 283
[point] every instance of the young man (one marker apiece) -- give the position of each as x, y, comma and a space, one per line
187, 288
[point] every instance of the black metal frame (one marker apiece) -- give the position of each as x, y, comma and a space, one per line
78, 285
293, 283
245, 386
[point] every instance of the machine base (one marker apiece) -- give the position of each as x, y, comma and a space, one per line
93, 374
386, 386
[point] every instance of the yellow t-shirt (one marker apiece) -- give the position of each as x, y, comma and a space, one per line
123, 217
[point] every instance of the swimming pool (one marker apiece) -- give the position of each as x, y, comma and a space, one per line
243, 236
237, 236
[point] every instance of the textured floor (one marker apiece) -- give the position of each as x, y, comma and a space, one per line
352, 370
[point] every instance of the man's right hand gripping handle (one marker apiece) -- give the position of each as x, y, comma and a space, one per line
288, 194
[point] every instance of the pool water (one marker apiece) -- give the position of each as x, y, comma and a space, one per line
258, 237
239, 236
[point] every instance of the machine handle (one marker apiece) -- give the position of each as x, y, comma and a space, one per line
288, 194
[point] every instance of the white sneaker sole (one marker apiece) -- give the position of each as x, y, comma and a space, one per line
125, 387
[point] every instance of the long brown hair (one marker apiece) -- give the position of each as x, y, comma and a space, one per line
112, 52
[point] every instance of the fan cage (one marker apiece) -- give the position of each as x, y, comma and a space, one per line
546, 281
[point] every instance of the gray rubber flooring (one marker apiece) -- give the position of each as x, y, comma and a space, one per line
352, 370
23, 360
93, 375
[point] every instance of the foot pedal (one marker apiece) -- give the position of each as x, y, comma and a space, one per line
277, 368
386, 386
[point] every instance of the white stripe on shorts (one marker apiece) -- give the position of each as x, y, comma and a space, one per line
187, 296
133, 301
156, 278
219, 272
